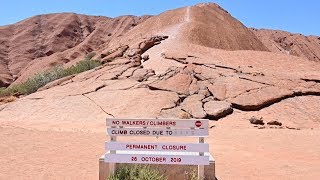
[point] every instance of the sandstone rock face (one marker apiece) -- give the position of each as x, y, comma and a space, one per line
258, 99
178, 83
212, 23
208, 26
154, 101
45, 41
142, 74
109, 56
149, 43
181, 79
288, 43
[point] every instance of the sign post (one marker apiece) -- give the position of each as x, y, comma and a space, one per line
154, 152
201, 167
112, 165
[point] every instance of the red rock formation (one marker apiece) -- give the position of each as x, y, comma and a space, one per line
289, 43
210, 66
48, 40
204, 24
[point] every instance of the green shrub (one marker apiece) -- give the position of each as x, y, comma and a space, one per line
137, 172
81, 66
35, 82
41, 79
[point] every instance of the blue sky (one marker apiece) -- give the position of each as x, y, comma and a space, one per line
294, 16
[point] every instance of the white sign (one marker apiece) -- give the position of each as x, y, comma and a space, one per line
173, 147
157, 132
174, 123
158, 153
157, 159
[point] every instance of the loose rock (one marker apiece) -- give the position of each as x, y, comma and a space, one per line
254, 120
276, 123
145, 57
217, 109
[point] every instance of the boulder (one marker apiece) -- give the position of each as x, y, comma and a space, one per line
133, 52
136, 60
145, 57
149, 43
260, 98
193, 105
217, 109
275, 123
233, 86
254, 120
175, 113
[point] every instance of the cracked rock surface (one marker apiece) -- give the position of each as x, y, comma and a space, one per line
201, 86
204, 83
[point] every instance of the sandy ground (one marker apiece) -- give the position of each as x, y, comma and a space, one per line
241, 152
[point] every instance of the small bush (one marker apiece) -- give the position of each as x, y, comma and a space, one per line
192, 174
41, 79
137, 172
81, 66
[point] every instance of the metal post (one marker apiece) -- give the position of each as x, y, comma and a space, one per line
201, 167
112, 166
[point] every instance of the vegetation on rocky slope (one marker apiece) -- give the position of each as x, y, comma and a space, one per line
41, 79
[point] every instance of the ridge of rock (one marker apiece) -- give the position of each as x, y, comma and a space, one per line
289, 43
45, 41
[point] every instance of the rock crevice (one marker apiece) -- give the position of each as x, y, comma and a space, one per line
98, 105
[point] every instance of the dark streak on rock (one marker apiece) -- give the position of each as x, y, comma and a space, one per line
273, 101
216, 118
311, 80
244, 78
